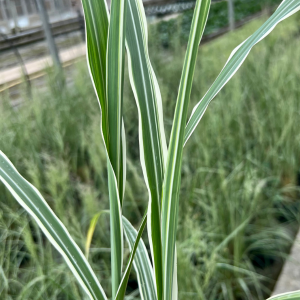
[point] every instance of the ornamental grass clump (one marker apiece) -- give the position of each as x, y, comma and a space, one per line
108, 38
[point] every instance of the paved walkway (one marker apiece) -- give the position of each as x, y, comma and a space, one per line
36, 68
289, 279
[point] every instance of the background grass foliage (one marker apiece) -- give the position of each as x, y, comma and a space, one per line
217, 19
239, 200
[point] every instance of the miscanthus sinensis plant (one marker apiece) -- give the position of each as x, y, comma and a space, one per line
108, 37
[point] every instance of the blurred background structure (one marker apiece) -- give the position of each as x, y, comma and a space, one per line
19, 15
23, 14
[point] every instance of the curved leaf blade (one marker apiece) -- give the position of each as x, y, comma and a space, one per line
100, 56
91, 231
116, 230
236, 59
152, 139
33, 202
141, 260
122, 288
172, 178
96, 26
287, 296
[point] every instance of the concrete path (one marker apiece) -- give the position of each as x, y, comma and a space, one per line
289, 279
13, 76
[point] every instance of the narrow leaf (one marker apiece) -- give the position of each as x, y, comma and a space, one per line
105, 52
114, 89
141, 262
151, 130
96, 26
114, 86
287, 296
236, 59
91, 231
116, 230
33, 202
173, 170
134, 247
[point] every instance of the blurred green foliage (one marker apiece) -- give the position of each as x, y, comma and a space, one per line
217, 19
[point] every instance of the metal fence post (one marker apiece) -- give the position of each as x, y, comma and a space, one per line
231, 14
48, 33
24, 8
52, 5
3, 10
14, 15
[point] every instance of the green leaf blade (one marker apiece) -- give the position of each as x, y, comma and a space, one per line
135, 247
116, 135
33, 202
287, 296
152, 139
105, 49
236, 59
96, 24
173, 170
141, 261
114, 86
116, 231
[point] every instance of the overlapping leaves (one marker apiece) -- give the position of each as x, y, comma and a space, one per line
161, 168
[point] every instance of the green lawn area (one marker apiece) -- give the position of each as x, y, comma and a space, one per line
239, 199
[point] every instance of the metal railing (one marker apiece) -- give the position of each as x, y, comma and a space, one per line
164, 9
16, 14
28, 7
160, 7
